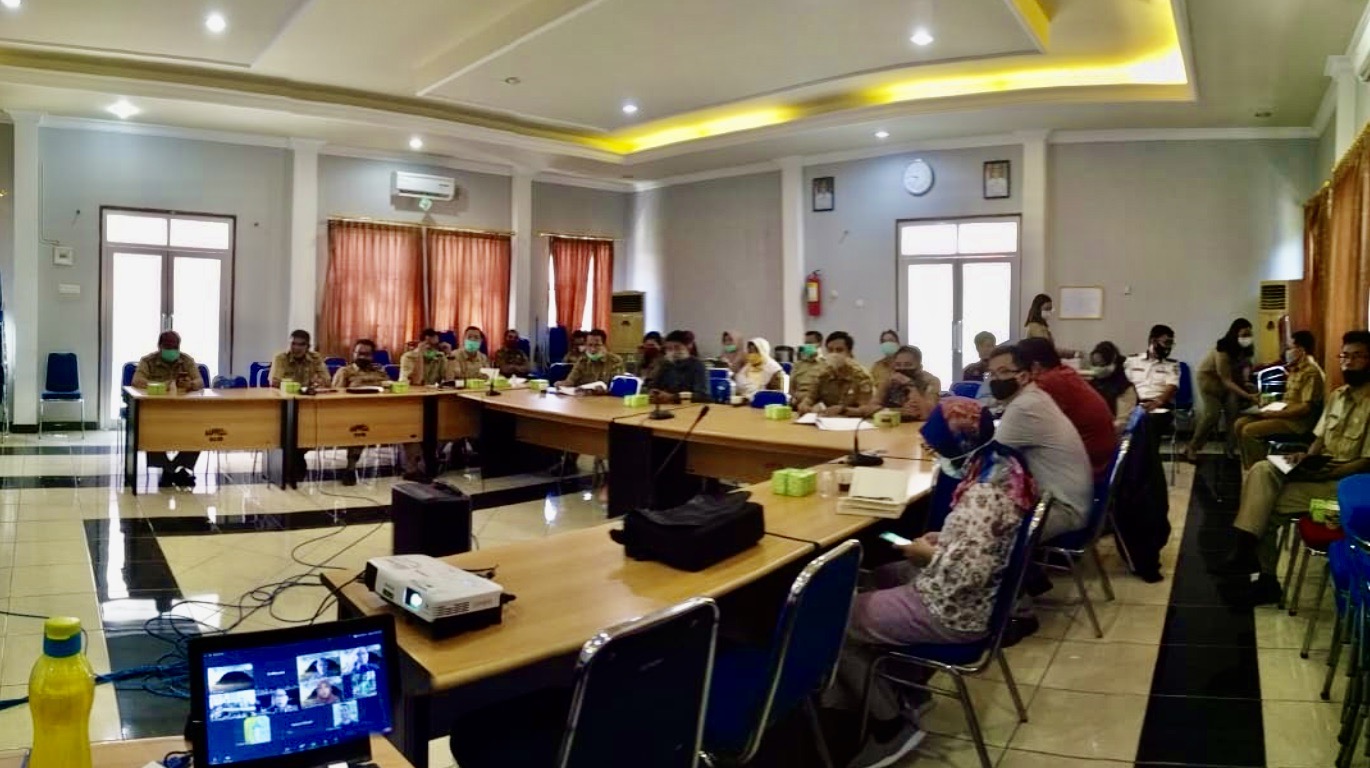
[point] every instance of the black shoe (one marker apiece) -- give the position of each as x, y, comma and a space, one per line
1266, 590
1240, 559
1020, 627
348, 477
1036, 583
167, 479
1149, 575
183, 477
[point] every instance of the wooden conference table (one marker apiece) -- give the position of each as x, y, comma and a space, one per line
138, 753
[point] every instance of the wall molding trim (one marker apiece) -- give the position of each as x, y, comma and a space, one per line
1183, 134
767, 166
165, 131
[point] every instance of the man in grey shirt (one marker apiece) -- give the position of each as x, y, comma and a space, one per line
1034, 425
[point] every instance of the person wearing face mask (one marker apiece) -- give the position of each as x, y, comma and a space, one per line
425, 364
361, 372
1109, 380
805, 367
1085, 408
467, 362
881, 369
1267, 493
761, 372
1035, 425
908, 389
510, 359
984, 344
944, 587
733, 356
1222, 380
576, 349
678, 371
648, 353
299, 364
1303, 395
841, 387
1153, 373
599, 364
1039, 312
170, 366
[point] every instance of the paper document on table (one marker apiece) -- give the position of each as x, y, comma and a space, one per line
843, 424
517, 381
808, 418
594, 386
1275, 407
875, 491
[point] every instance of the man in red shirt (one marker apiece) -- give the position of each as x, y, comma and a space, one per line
1084, 406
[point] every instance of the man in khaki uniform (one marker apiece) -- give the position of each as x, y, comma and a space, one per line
510, 360
598, 364
842, 386
300, 364
425, 363
804, 369
1303, 393
170, 366
361, 372
467, 362
1266, 492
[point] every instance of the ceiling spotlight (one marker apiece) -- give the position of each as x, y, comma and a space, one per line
921, 36
415, 143
10, 3
629, 108
216, 23
122, 109
512, 81
1264, 114
882, 134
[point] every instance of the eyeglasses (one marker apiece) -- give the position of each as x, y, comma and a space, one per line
1353, 356
1006, 373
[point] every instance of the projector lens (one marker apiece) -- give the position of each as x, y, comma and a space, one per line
413, 600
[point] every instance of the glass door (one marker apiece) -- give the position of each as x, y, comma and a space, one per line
163, 272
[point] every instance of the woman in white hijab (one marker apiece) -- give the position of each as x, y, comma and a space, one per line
759, 371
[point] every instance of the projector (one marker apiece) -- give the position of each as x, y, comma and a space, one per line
444, 597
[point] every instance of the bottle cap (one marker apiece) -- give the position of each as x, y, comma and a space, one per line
62, 636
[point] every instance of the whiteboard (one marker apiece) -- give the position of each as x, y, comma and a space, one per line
1081, 302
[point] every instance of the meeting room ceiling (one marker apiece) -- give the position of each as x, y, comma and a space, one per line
654, 88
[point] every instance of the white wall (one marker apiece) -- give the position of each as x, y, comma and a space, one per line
1326, 155
84, 170
855, 247
1190, 227
576, 211
7, 211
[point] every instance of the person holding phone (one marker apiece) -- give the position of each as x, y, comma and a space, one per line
944, 588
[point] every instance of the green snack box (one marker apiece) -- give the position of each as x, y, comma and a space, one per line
537, 385
156, 387
886, 419
477, 383
780, 482
502, 383
803, 482
637, 401
290, 387
399, 387
779, 412
1325, 511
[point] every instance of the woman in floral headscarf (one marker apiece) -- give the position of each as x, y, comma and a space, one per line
944, 589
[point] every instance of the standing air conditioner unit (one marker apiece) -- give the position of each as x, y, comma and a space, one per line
1276, 304
422, 185
626, 316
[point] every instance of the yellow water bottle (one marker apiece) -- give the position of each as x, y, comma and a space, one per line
61, 691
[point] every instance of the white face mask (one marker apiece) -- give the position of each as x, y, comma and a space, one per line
948, 469
837, 359
1290, 357
1245, 341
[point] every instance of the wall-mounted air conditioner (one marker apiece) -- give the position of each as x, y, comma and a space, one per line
422, 185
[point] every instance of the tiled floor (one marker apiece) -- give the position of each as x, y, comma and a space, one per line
1179, 677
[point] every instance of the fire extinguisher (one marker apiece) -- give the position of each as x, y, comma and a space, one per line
813, 293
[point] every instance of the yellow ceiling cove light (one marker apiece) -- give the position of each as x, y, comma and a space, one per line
756, 118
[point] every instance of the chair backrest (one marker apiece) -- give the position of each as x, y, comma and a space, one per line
222, 382
239, 382
253, 374
1103, 496
558, 372
333, 366
1025, 541
966, 389
126, 379
787, 367
526, 347
719, 373
620, 386
338, 361
1353, 497
393, 371
261, 377
204, 373
556, 345
1184, 394
769, 397
1272, 380
808, 637
641, 690
381, 357
449, 337
783, 353
64, 373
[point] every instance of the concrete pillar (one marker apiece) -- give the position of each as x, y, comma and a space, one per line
304, 229
1033, 279
21, 295
521, 268
792, 200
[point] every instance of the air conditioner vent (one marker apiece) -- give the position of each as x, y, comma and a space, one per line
1274, 297
628, 301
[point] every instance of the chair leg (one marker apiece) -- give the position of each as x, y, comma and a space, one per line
1294, 542
1334, 655
41, 410
83, 418
1084, 597
1103, 574
1298, 581
1012, 687
972, 722
820, 743
1118, 540
1317, 613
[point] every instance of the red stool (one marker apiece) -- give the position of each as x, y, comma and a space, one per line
1316, 538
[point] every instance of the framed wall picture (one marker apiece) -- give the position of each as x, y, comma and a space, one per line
1081, 302
997, 180
824, 194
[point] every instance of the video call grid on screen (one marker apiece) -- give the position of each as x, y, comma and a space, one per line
265, 702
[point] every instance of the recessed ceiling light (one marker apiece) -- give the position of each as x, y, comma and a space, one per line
11, 3
215, 22
512, 81
882, 134
415, 143
921, 36
122, 109
629, 108
1264, 113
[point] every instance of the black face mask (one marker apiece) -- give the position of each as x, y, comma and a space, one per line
1162, 352
363, 363
1356, 378
1003, 389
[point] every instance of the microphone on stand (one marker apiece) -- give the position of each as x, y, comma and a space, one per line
680, 443
492, 391
857, 458
659, 415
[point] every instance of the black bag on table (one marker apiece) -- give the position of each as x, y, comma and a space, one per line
695, 535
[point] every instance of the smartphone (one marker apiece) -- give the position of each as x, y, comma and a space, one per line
895, 539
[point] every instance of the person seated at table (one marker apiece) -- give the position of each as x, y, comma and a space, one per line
677, 372
648, 353
816, 339
881, 369
425, 364
468, 362
299, 364
1222, 379
1267, 492
1303, 396
1085, 408
361, 372
598, 364
805, 367
732, 355
909, 389
576, 350
1034, 424
1111, 382
1153, 373
944, 588
984, 344
841, 386
510, 359
761, 372
170, 366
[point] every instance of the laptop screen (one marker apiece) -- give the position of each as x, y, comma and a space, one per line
265, 700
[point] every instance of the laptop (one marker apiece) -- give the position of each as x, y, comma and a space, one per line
307, 697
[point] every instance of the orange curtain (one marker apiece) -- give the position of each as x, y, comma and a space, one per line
571, 263
604, 282
1341, 281
1312, 289
374, 287
468, 282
